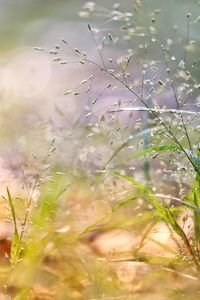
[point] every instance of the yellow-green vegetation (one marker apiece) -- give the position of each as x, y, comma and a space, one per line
100, 156
79, 244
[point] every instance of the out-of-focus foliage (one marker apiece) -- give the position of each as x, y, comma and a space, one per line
99, 157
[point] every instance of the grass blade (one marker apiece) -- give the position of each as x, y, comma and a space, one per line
15, 248
131, 138
149, 151
163, 212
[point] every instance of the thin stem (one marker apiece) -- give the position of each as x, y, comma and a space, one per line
99, 51
174, 138
171, 134
176, 100
159, 110
182, 119
30, 194
187, 36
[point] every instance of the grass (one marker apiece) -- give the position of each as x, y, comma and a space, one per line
110, 226
56, 259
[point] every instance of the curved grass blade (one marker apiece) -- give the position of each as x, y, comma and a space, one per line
131, 138
149, 151
163, 212
158, 110
117, 206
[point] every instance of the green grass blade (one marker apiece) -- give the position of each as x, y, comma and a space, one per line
163, 212
117, 206
15, 248
149, 151
194, 199
12, 208
131, 138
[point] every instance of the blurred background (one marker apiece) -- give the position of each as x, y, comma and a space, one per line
34, 108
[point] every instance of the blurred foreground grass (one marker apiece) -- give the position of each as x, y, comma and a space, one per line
93, 241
